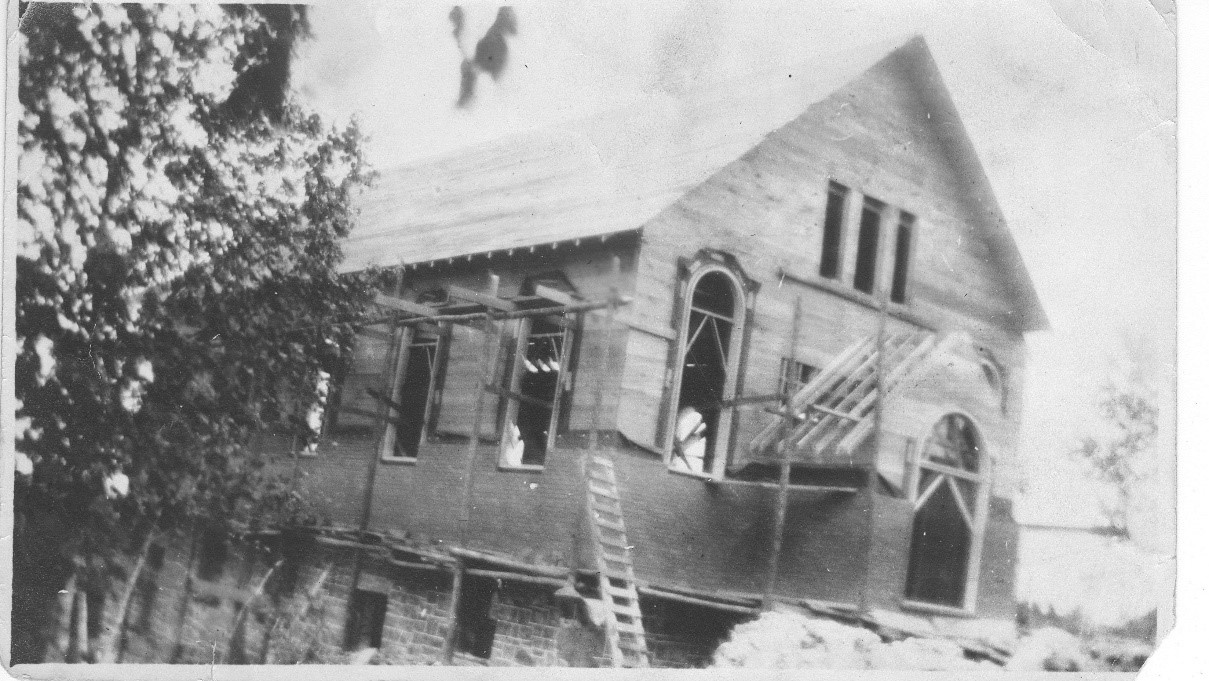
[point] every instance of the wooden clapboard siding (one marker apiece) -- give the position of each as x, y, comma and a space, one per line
766, 209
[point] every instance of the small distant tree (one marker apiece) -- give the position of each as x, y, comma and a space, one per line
179, 221
1120, 455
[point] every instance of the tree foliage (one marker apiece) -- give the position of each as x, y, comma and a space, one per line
1119, 456
179, 221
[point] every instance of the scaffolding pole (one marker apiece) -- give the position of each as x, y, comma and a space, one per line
778, 531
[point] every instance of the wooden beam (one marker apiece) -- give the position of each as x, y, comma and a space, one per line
485, 299
517, 577
400, 305
716, 605
504, 392
750, 399
833, 412
542, 570
554, 295
795, 488
451, 634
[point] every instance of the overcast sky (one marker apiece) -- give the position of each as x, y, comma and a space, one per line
1070, 104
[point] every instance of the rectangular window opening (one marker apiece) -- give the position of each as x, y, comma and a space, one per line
537, 377
902, 257
476, 628
794, 376
833, 230
365, 620
414, 385
866, 247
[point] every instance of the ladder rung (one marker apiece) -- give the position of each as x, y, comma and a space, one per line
610, 563
603, 492
610, 525
630, 629
622, 594
620, 576
601, 473
616, 546
630, 611
613, 510
618, 554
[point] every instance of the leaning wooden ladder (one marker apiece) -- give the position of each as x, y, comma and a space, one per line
623, 618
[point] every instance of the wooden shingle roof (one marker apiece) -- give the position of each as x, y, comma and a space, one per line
614, 171
601, 175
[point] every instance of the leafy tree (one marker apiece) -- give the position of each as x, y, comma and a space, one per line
179, 220
1120, 455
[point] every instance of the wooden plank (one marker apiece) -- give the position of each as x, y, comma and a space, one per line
554, 295
515, 577
833, 412
485, 299
451, 634
716, 605
400, 305
515, 565
750, 399
504, 392
795, 488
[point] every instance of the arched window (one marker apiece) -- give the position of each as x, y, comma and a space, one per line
708, 358
950, 495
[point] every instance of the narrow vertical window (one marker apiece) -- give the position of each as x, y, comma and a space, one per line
833, 230
866, 245
414, 385
537, 382
902, 257
794, 376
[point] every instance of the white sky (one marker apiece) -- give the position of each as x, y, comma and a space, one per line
1070, 104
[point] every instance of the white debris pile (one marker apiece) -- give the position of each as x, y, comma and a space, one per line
1049, 649
781, 640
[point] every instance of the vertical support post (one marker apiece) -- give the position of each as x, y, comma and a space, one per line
778, 532
455, 602
871, 480
371, 474
489, 342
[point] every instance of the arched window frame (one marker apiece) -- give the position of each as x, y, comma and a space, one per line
744, 291
982, 478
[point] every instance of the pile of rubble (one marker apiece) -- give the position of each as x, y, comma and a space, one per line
806, 640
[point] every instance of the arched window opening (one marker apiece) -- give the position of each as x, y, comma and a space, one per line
995, 375
948, 497
705, 367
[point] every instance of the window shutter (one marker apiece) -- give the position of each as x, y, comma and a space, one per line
466, 347
367, 369
642, 393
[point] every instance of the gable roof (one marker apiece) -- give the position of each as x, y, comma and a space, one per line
614, 171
